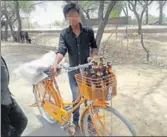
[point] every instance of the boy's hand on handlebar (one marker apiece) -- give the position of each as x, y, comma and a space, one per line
54, 69
89, 59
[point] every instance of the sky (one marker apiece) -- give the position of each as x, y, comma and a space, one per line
52, 10
48, 13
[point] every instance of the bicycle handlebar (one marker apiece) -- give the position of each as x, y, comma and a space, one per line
69, 69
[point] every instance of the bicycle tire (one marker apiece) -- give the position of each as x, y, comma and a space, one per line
42, 111
84, 126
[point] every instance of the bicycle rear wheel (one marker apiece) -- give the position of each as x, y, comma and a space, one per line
40, 96
108, 121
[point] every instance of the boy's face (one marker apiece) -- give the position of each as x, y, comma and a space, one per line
73, 17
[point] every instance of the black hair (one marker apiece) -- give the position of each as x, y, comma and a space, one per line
70, 6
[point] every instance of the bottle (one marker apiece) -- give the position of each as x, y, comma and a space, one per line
95, 66
104, 73
92, 76
100, 70
104, 70
88, 71
109, 68
100, 77
101, 60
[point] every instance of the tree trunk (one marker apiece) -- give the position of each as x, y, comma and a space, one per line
6, 30
12, 31
87, 15
103, 23
83, 19
10, 26
147, 14
2, 36
125, 10
139, 22
139, 27
101, 9
6, 22
100, 34
146, 50
160, 13
18, 19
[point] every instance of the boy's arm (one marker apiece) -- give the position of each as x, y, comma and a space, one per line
62, 49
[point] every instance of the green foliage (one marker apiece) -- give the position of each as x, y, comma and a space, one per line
117, 9
58, 23
152, 18
88, 5
27, 6
115, 13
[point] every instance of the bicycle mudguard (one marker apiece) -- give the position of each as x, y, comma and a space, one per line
56, 112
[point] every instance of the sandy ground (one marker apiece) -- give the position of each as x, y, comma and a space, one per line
141, 97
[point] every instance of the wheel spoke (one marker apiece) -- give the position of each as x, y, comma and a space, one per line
105, 118
102, 124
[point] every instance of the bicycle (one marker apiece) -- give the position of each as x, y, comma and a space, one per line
53, 109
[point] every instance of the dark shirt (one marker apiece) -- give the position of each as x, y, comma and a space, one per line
5, 92
78, 47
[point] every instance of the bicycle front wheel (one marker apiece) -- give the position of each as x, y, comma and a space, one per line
106, 122
41, 95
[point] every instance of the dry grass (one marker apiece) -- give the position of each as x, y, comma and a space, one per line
128, 50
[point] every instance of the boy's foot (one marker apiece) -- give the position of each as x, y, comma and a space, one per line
72, 130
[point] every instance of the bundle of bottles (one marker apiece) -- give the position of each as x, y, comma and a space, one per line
99, 74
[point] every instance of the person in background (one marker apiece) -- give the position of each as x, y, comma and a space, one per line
13, 120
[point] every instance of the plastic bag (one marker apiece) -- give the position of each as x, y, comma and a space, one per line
33, 71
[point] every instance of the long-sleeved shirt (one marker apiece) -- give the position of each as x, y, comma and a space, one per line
78, 47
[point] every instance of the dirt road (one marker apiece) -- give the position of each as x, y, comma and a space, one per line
141, 97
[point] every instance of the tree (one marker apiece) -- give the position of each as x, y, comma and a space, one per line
117, 9
152, 19
125, 8
88, 7
8, 12
26, 7
161, 7
147, 12
12, 10
103, 20
17, 8
138, 8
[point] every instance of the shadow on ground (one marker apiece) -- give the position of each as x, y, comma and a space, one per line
49, 129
